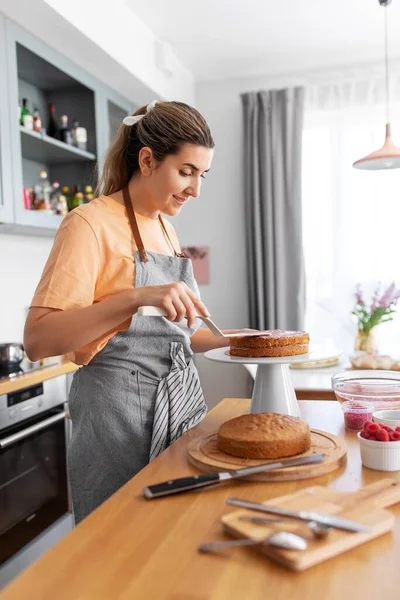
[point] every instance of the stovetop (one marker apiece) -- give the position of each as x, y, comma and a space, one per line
26, 366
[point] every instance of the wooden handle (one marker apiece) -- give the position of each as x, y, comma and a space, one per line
381, 493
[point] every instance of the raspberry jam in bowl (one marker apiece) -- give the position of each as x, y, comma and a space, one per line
381, 388
356, 414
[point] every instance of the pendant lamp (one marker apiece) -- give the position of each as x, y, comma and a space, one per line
388, 157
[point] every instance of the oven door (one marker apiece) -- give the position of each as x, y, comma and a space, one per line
33, 479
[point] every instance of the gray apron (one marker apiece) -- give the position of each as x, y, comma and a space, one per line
138, 395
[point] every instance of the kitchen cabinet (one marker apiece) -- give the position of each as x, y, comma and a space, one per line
6, 206
31, 69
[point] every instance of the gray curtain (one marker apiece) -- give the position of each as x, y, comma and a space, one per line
273, 124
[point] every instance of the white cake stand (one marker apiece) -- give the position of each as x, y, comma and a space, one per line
273, 388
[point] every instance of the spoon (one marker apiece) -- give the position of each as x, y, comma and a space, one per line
283, 539
319, 530
153, 311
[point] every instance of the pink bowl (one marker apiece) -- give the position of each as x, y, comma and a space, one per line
382, 388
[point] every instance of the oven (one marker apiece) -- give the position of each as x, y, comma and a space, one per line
33, 474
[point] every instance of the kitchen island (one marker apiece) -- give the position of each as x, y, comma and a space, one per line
131, 548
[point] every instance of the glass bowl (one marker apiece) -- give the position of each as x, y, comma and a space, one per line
382, 388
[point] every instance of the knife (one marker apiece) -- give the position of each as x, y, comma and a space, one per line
193, 482
302, 515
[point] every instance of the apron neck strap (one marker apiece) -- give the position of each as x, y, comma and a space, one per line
134, 226
135, 229
168, 238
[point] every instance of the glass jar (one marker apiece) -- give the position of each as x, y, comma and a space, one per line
356, 413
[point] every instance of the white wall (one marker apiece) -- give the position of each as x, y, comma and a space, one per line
22, 259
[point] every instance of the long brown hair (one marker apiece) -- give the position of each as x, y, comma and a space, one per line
164, 129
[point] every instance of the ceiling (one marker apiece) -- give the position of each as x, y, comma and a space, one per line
235, 38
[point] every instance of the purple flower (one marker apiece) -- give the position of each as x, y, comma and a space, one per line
359, 297
387, 297
396, 296
374, 300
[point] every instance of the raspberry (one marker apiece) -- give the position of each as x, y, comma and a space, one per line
364, 434
372, 438
395, 436
366, 424
382, 436
372, 428
397, 429
387, 428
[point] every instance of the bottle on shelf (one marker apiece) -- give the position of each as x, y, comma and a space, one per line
55, 193
71, 195
64, 131
88, 196
79, 136
52, 129
28, 198
42, 194
37, 121
77, 199
61, 207
26, 119
67, 193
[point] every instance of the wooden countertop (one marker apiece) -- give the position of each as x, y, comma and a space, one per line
134, 548
37, 376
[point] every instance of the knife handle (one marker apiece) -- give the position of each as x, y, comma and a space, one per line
183, 484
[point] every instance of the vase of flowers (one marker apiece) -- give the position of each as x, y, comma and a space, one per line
379, 310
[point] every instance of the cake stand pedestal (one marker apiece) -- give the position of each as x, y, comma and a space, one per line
273, 388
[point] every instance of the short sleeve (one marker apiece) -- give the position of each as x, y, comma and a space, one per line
72, 269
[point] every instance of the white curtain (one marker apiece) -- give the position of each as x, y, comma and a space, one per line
351, 218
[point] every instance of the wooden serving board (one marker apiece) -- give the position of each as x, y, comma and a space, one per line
364, 506
204, 454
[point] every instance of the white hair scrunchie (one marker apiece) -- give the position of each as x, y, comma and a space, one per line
131, 120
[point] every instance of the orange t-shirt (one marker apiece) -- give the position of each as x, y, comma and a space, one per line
93, 258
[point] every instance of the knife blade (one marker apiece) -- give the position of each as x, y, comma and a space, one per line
302, 515
184, 484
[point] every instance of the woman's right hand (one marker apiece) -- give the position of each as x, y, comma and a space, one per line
177, 299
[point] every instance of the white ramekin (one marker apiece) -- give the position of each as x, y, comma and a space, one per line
387, 417
380, 456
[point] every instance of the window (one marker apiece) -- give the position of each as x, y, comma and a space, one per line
351, 218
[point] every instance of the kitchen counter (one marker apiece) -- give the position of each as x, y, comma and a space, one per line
134, 548
315, 384
34, 377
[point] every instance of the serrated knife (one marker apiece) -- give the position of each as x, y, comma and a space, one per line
184, 484
302, 515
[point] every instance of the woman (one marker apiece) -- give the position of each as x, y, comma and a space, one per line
138, 390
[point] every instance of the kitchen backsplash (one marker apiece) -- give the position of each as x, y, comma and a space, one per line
22, 259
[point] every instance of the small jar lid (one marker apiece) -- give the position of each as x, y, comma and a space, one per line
360, 407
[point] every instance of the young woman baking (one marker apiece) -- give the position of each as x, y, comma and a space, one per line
138, 390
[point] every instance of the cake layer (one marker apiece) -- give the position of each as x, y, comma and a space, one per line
292, 350
267, 339
264, 435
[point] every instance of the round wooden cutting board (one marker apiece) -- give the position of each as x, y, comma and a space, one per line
204, 454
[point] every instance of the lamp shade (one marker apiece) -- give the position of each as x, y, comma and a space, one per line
388, 157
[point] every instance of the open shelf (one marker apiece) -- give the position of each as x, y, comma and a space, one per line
47, 150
